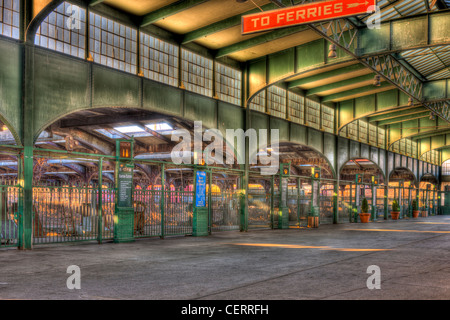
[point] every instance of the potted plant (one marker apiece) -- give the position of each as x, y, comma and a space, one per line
425, 212
415, 208
395, 210
364, 215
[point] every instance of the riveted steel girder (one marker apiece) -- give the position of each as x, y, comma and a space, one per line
344, 34
441, 108
388, 67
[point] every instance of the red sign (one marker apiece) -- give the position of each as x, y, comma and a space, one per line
306, 13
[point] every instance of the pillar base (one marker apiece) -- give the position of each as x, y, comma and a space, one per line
200, 222
124, 225
283, 218
313, 222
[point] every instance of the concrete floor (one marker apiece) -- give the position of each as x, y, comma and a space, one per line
270, 264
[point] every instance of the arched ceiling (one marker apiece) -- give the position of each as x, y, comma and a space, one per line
413, 38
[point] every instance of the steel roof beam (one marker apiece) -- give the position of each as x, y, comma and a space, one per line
325, 75
340, 84
270, 36
393, 115
345, 34
356, 91
221, 25
404, 118
169, 10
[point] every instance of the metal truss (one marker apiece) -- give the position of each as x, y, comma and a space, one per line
388, 67
439, 108
343, 33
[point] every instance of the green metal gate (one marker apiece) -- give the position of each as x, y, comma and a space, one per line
9, 213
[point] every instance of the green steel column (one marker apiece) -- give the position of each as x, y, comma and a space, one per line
410, 201
401, 196
336, 202
434, 202
100, 201
386, 205
350, 208
314, 213
162, 199
272, 205
298, 201
26, 236
374, 201
210, 202
357, 206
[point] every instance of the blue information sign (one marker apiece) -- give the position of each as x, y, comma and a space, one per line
200, 192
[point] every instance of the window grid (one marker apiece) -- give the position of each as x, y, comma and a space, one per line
112, 44
259, 102
312, 113
353, 130
446, 168
381, 138
54, 32
276, 102
414, 149
159, 60
328, 119
372, 134
10, 18
396, 147
402, 146
296, 105
362, 131
228, 84
409, 148
197, 73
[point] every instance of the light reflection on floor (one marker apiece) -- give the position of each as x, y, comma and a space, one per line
393, 230
294, 246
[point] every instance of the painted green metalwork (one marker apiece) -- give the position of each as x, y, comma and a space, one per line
169, 10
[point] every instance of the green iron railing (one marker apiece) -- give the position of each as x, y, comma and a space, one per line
9, 214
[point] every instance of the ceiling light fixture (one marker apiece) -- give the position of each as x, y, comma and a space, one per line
377, 81
332, 51
410, 102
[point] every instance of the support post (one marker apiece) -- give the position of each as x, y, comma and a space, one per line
357, 206
350, 214
374, 198
26, 174
162, 200
386, 204
298, 201
313, 218
200, 215
124, 210
283, 211
100, 202
336, 202
401, 191
272, 202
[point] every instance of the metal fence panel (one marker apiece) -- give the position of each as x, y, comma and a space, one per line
225, 208
9, 216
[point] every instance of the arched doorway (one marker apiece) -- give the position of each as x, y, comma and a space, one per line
265, 192
9, 184
76, 164
402, 187
428, 194
359, 179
